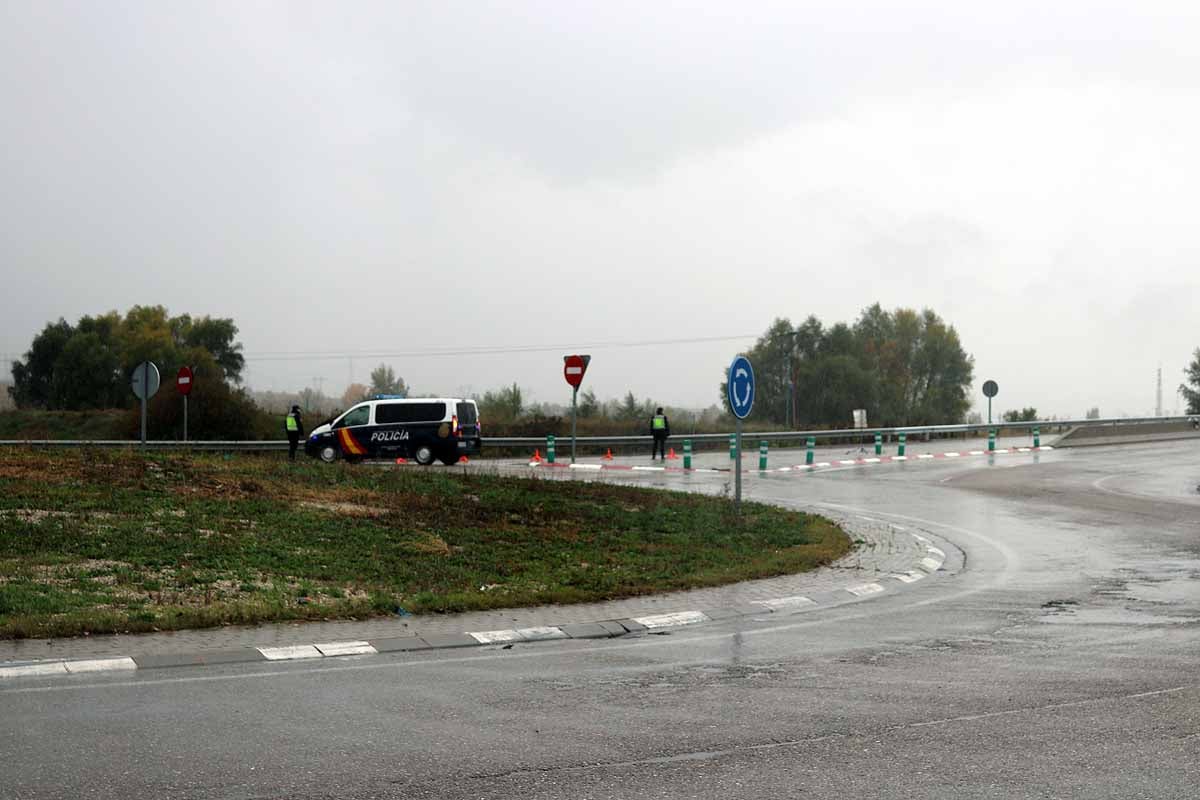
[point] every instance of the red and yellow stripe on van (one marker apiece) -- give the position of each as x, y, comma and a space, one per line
350, 445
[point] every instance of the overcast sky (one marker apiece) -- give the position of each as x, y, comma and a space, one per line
405, 178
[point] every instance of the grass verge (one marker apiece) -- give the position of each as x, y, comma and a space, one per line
110, 541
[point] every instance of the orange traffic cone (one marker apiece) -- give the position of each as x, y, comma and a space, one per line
671, 455
401, 461
608, 456
537, 457
463, 460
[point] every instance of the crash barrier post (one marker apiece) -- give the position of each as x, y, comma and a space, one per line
762, 455
687, 453
991, 439
732, 446
903, 439
1037, 437
550, 448
809, 445
879, 444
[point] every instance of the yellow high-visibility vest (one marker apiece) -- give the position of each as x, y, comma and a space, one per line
659, 423
292, 424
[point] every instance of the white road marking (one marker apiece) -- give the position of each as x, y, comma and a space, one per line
670, 620
865, 589
491, 637
541, 633
920, 538
925, 455
952, 455
847, 462
289, 652
973, 452
931, 564
936, 551
588, 466
1022, 449
871, 460
99, 664
346, 649
650, 469
781, 603
908, 577
31, 670
899, 458
822, 464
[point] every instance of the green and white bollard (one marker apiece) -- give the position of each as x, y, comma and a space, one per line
1037, 437
991, 439
879, 444
550, 448
809, 445
903, 439
687, 453
762, 455
732, 446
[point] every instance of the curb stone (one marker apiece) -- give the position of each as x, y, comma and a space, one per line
932, 560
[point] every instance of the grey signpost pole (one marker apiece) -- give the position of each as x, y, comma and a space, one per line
185, 417
145, 384
739, 387
574, 397
990, 390
737, 471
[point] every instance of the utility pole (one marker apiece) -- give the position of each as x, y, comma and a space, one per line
1158, 409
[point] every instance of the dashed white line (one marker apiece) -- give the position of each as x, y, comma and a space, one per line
782, 603
671, 620
346, 649
865, 589
289, 652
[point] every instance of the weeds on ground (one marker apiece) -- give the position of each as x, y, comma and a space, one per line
103, 541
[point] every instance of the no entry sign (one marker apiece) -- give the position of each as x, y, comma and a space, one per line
573, 369
183, 381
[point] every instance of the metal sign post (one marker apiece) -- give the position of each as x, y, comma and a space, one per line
144, 382
739, 390
183, 384
574, 368
990, 390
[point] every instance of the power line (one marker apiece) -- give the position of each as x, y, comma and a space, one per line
482, 350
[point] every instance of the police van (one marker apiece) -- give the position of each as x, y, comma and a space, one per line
422, 429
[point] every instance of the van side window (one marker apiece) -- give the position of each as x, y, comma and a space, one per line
393, 413
355, 416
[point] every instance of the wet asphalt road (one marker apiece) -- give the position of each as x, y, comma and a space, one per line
1063, 661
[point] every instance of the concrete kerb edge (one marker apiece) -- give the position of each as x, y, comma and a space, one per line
932, 559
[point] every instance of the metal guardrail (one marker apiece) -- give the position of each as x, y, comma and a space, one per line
610, 441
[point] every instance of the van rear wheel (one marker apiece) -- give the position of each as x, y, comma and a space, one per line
424, 455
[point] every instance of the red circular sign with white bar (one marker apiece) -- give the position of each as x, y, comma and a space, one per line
573, 369
183, 381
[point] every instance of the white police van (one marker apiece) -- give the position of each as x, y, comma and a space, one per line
422, 429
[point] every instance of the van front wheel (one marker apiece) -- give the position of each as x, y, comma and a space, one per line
329, 454
424, 455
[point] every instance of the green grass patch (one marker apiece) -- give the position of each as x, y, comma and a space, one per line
102, 541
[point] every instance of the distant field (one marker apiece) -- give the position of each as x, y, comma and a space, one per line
105, 541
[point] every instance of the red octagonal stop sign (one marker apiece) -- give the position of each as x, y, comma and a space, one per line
183, 381
574, 367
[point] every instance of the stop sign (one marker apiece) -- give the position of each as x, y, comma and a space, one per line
183, 381
573, 369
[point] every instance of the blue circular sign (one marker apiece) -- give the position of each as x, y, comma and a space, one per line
739, 388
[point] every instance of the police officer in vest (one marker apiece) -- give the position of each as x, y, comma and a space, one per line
295, 429
660, 428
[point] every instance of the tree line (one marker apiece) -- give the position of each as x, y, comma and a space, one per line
903, 367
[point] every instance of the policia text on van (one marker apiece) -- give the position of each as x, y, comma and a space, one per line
421, 429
